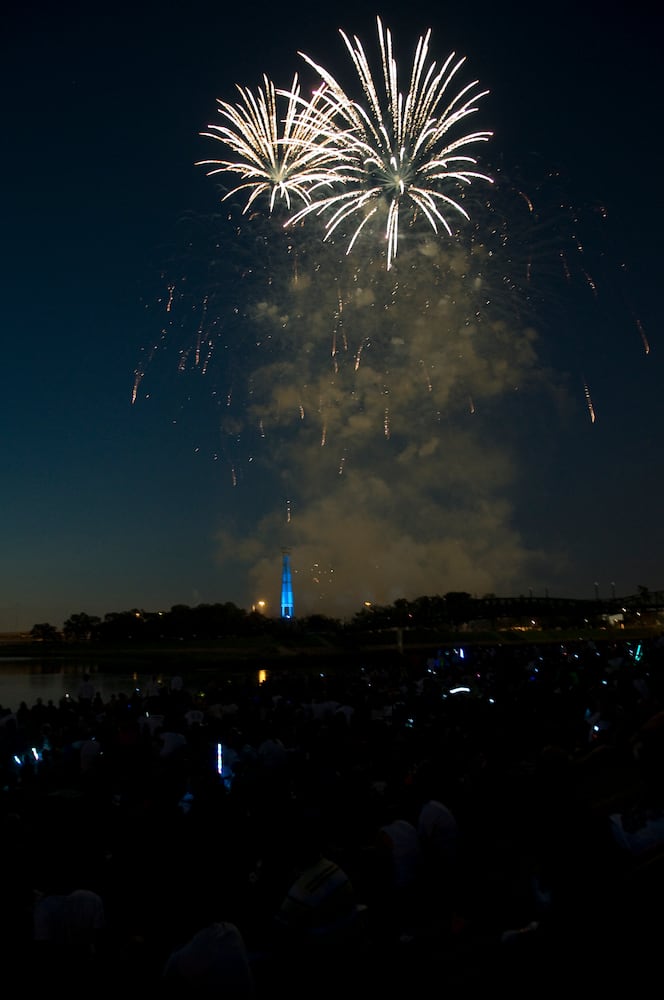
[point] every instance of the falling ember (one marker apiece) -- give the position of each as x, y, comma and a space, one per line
646, 345
589, 402
137, 381
565, 266
471, 404
426, 376
527, 201
169, 304
200, 338
591, 283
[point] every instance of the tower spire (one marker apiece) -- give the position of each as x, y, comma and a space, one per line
286, 586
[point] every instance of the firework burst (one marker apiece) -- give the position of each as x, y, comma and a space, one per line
346, 398
397, 152
349, 163
281, 157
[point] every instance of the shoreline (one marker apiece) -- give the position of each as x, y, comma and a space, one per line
303, 651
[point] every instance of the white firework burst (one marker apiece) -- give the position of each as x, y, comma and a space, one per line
281, 157
399, 151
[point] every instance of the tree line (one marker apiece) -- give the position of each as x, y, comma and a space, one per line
223, 620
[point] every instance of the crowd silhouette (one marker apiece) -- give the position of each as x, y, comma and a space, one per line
486, 817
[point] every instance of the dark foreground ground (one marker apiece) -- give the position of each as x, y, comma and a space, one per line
550, 758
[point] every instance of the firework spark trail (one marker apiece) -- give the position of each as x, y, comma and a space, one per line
644, 339
139, 375
591, 284
401, 155
335, 380
589, 402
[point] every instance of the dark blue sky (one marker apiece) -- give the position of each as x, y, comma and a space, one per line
108, 505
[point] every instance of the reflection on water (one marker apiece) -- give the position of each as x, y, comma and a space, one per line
27, 678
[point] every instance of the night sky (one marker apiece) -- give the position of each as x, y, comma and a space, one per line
180, 495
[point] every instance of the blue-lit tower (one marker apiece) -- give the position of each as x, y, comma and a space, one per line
286, 587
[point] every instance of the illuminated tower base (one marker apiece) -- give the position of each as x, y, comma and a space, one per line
286, 587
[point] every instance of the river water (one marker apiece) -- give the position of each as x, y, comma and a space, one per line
28, 678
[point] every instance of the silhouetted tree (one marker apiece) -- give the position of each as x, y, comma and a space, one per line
80, 627
119, 626
459, 607
44, 632
321, 623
